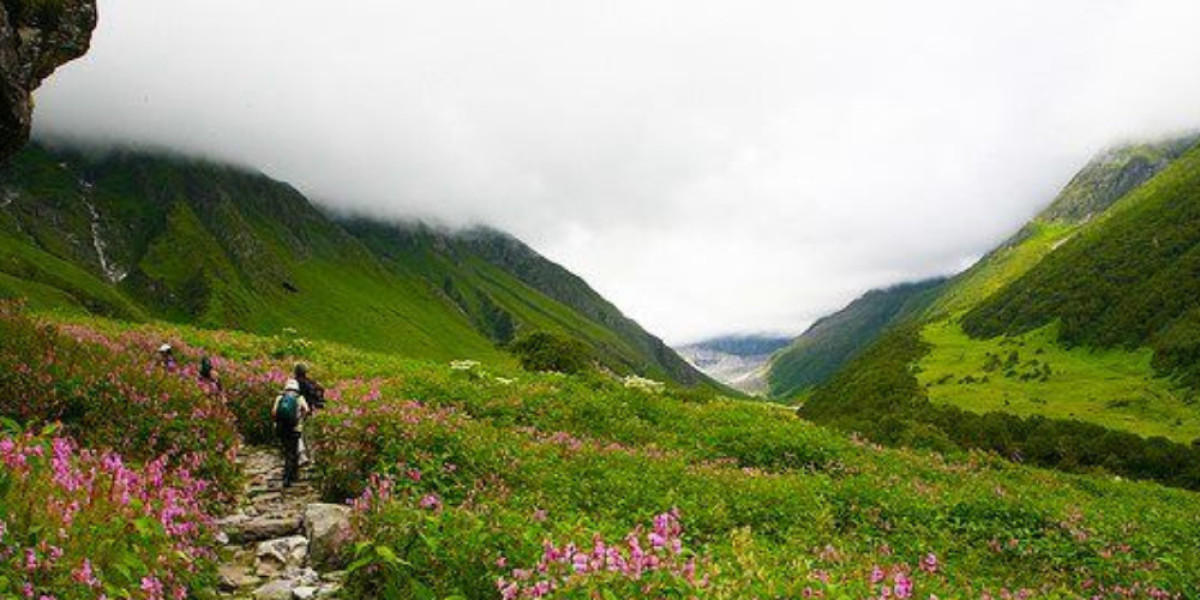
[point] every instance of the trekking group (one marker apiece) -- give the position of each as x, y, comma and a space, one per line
301, 396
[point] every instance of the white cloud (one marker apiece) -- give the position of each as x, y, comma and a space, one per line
710, 166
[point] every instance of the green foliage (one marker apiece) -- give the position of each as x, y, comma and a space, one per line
880, 396
109, 394
1032, 374
1001, 267
460, 476
457, 474
77, 524
545, 351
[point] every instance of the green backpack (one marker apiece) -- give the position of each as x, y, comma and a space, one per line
287, 414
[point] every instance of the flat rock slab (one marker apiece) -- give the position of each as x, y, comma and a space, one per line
245, 529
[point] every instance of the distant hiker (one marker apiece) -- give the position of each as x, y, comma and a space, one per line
209, 379
311, 390
288, 412
166, 357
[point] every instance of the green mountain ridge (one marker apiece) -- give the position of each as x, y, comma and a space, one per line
1072, 344
832, 341
137, 235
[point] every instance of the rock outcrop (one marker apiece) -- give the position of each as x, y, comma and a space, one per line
36, 36
327, 527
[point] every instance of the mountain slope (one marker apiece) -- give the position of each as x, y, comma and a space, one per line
138, 235
506, 287
1084, 319
833, 341
1132, 280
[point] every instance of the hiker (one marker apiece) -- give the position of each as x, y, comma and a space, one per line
208, 377
311, 390
314, 394
288, 412
166, 357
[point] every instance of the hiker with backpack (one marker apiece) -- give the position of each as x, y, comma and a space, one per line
208, 378
288, 412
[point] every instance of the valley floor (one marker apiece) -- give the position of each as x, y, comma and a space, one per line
1032, 374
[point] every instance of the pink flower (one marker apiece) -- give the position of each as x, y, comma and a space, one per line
929, 564
431, 502
84, 574
876, 575
153, 587
903, 586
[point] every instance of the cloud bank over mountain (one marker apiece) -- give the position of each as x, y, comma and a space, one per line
708, 166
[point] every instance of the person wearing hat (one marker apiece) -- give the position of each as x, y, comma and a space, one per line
288, 412
166, 357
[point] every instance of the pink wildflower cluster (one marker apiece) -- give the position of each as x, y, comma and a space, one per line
106, 391
645, 564
62, 501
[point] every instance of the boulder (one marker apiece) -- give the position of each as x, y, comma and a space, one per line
278, 555
330, 535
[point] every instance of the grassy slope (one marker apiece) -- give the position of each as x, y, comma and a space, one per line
485, 273
1001, 267
1114, 388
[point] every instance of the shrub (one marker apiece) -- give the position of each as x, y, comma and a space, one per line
544, 351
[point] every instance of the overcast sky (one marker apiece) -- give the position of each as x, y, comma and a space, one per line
711, 167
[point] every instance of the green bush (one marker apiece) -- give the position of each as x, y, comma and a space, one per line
544, 351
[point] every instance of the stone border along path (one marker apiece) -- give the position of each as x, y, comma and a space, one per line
281, 544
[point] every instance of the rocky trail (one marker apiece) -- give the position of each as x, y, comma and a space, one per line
281, 543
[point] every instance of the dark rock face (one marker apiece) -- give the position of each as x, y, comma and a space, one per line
36, 36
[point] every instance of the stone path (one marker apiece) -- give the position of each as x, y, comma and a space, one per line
280, 543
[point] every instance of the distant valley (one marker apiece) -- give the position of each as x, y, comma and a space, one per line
737, 361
